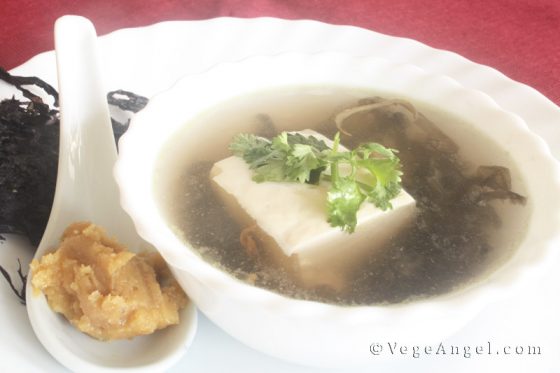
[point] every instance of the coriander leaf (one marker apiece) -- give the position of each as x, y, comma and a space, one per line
384, 166
288, 157
377, 150
343, 202
272, 170
388, 179
301, 161
280, 143
298, 138
370, 172
253, 149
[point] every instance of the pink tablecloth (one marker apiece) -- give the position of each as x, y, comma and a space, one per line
521, 38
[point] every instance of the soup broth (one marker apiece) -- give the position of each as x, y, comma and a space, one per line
467, 224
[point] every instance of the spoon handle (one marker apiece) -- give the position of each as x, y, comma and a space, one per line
88, 157
85, 187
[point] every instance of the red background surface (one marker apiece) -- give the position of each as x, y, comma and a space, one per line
521, 38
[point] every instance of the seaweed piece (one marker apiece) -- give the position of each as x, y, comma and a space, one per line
23, 278
265, 126
20, 81
126, 100
373, 105
491, 183
28, 163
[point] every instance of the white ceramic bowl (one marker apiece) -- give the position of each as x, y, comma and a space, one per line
313, 333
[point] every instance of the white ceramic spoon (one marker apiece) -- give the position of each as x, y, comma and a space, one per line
86, 190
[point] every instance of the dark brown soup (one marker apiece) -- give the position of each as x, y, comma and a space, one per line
468, 219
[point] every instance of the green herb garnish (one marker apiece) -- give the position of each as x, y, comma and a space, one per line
371, 172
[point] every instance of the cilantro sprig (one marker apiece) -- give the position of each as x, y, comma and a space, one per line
371, 172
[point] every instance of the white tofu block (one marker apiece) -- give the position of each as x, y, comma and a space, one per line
294, 216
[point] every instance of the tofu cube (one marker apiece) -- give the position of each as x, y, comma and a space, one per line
291, 219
